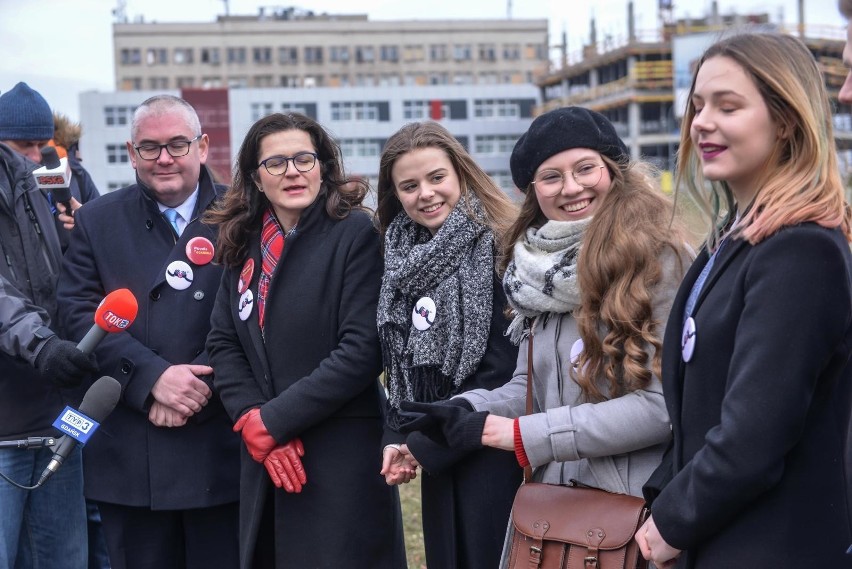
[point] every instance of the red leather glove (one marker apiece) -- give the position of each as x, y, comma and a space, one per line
258, 440
285, 467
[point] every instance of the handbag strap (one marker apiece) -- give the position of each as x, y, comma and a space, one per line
528, 468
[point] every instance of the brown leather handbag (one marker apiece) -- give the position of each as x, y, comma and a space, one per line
557, 527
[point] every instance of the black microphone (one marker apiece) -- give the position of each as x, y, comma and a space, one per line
98, 402
55, 176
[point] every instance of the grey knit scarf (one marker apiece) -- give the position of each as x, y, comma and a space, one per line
542, 276
455, 269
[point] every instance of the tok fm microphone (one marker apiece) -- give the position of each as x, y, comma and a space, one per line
78, 426
115, 313
55, 177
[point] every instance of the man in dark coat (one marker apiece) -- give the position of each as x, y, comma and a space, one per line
44, 527
165, 467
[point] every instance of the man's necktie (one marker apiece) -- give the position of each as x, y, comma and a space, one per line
172, 215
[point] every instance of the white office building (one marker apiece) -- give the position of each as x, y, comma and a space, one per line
487, 119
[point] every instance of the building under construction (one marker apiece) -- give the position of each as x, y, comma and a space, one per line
640, 81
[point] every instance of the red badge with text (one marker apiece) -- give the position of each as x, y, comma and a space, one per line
245, 276
200, 250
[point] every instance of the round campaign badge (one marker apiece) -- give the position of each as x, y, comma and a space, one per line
179, 275
576, 350
423, 315
245, 305
199, 250
245, 276
687, 339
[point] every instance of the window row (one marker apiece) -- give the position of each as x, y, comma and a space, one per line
376, 111
412, 110
290, 55
331, 80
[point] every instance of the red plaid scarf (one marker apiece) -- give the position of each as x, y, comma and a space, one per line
271, 245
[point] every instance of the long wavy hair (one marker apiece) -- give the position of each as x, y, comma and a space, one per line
800, 181
499, 210
619, 266
240, 213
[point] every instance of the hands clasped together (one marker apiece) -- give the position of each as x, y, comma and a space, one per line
450, 423
398, 464
282, 462
179, 394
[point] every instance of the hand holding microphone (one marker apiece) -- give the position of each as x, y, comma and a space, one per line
66, 364
66, 216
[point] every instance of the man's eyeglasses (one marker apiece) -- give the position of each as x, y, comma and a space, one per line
550, 182
277, 165
175, 148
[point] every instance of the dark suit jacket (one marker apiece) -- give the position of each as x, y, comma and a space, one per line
761, 411
122, 241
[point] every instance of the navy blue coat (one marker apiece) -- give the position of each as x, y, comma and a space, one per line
761, 411
121, 240
314, 375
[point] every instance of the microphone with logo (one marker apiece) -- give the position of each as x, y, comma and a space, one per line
115, 313
78, 425
55, 177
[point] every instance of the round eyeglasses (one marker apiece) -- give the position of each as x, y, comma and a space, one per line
550, 182
175, 148
277, 165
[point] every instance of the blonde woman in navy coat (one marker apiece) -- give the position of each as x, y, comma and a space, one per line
297, 358
756, 368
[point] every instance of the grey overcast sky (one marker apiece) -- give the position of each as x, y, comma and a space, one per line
64, 47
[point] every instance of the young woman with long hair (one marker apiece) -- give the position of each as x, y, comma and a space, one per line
756, 362
296, 355
593, 262
441, 324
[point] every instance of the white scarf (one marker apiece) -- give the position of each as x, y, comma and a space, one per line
542, 276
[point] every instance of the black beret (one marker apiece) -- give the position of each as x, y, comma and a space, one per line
559, 130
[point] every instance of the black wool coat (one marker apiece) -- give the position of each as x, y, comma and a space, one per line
314, 375
467, 497
760, 413
121, 240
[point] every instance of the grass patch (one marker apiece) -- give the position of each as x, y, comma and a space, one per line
409, 495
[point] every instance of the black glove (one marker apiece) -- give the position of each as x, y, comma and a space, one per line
448, 423
63, 364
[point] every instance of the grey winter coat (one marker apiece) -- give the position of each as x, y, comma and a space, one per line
29, 266
615, 444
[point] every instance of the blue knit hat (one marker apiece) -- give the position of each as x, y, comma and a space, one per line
25, 115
